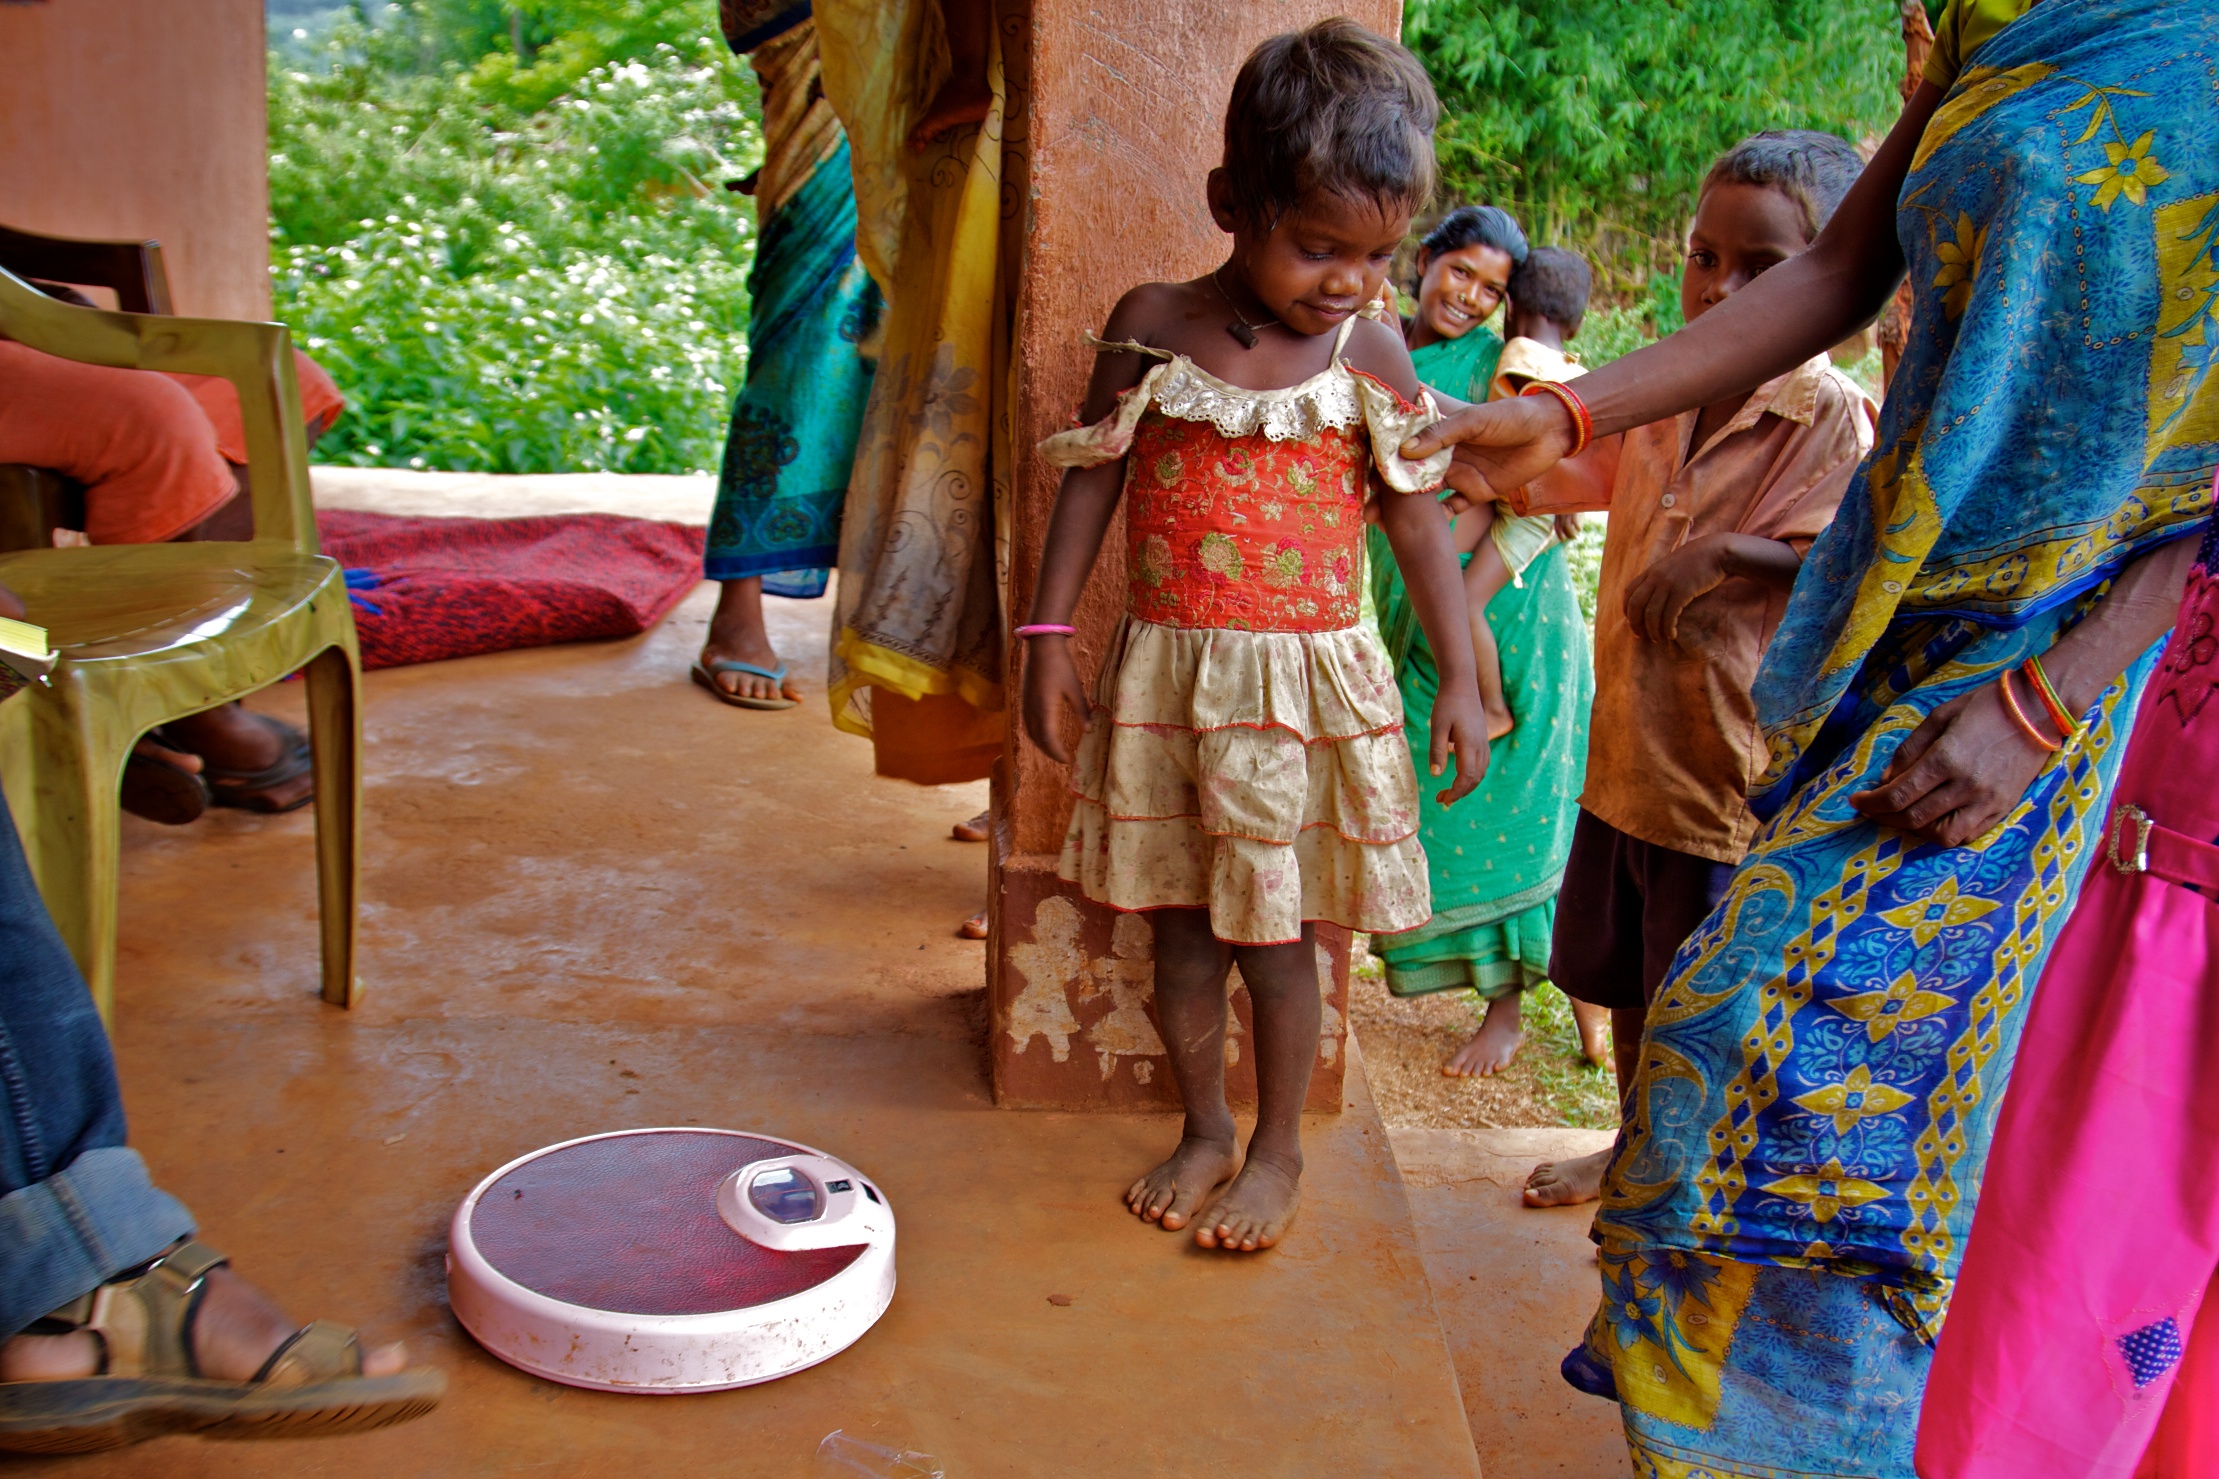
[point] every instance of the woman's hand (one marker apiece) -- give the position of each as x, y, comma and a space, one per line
1052, 689
1662, 592
1459, 727
1958, 774
11, 604
1500, 446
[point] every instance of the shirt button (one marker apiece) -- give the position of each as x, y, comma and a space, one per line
1668, 500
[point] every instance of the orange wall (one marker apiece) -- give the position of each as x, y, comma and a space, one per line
143, 118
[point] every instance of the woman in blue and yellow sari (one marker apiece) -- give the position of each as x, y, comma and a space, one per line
1787, 1207
776, 526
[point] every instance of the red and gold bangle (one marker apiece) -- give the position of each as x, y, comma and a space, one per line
2046, 691
2018, 716
1583, 425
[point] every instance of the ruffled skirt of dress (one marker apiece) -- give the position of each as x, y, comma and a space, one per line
1261, 775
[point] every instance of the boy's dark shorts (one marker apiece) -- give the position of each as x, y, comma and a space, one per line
1625, 909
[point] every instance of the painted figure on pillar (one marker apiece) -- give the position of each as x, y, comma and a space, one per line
1244, 776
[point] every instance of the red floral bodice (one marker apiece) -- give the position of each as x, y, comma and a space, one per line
1243, 531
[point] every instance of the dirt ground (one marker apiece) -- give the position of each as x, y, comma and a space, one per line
1405, 1041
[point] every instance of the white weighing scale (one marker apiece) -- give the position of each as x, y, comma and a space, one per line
671, 1260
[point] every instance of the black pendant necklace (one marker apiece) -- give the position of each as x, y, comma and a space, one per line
1244, 333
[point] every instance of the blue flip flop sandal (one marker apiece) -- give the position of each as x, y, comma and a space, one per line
705, 675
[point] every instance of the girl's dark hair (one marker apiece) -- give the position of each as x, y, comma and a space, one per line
1553, 283
1336, 108
1813, 169
1478, 225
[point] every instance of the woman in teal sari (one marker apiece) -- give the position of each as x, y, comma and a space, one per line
1783, 1219
776, 526
1496, 860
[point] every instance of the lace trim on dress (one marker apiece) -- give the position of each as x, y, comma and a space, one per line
1337, 396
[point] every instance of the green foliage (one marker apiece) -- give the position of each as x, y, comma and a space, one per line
1594, 120
502, 281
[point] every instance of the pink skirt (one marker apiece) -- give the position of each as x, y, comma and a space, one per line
2079, 1342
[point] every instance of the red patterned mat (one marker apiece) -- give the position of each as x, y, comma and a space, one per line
428, 589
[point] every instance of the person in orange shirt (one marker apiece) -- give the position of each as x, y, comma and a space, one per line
1711, 514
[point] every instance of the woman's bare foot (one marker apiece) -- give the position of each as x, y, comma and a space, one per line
1170, 1193
1567, 1183
1256, 1209
1494, 1045
977, 927
977, 829
737, 634
1594, 1031
233, 1333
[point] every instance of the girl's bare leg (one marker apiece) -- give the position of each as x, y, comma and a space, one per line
1283, 987
1191, 965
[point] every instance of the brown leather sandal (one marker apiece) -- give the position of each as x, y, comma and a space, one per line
311, 1386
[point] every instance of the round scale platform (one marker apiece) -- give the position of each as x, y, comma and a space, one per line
671, 1260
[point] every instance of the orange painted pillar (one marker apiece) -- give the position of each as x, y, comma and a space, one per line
1127, 105
138, 119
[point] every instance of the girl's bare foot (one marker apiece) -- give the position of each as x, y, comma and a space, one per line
1256, 1209
233, 1332
1499, 718
1170, 1193
1594, 1031
1494, 1045
977, 829
1567, 1183
974, 928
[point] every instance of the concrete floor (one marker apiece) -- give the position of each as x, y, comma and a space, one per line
1515, 1288
596, 899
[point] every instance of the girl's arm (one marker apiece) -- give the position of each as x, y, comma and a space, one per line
1805, 305
1084, 505
1962, 770
1418, 528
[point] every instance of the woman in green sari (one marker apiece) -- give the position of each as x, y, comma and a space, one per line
1496, 860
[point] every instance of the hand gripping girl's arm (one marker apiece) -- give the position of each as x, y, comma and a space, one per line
1082, 514
1418, 527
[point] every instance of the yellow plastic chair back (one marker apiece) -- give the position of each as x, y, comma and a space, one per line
147, 634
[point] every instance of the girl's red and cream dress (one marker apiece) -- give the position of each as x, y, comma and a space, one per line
1246, 753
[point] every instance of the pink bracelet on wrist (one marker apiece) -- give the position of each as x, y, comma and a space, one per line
1047, 629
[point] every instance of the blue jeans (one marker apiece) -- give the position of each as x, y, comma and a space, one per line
76, 1206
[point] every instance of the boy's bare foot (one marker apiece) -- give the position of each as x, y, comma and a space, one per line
1256, 1209
977, 829
1500, 720
233, 1332
962, 100
1494, 1045
1567, 1183
1594, 1031
1172, 1192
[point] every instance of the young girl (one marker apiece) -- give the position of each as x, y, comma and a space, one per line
1244, 772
